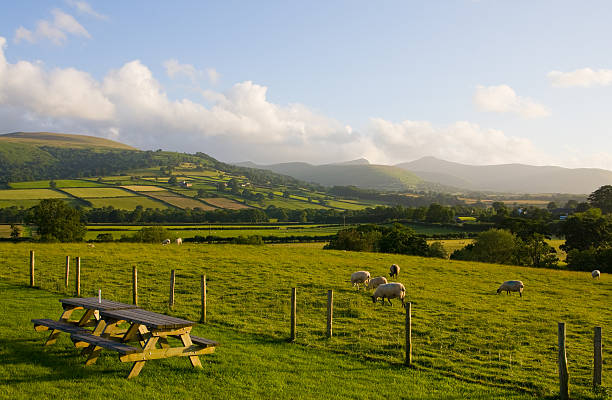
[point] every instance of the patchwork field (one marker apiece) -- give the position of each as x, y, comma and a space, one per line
466, 340
89, 193
144, 188
60, 183
30, 194
179, 201
126, 203
222, 202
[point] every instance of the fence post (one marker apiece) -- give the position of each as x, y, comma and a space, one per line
67, 270
172, 280
32, 268
597, 357
203, 287
563, 373
330, 312
78, 277
135, 285
408, 360
293, 312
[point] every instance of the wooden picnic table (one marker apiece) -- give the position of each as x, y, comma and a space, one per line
151, 331
88, 319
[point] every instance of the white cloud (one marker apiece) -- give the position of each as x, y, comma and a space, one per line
213, 75
585, 77
503, 99
85, 8
461, 141
55, 30
174, 69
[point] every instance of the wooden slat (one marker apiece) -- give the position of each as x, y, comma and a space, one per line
204, 342
46, 324
92, 303
150, 319
156, 354
105, 343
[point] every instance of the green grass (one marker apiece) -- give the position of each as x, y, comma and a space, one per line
126, 203
462, 331
60, 183
99, 192
30, 194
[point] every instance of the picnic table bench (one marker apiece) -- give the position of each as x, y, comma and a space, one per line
92, 305
149, 332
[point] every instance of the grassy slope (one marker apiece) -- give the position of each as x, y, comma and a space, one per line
460, 328
62, 140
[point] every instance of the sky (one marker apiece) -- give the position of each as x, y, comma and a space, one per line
471, 81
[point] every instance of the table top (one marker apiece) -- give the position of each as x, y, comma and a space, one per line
91, 303
149, 319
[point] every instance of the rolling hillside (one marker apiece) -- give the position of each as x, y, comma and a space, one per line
62, 140
353, 173
517, 178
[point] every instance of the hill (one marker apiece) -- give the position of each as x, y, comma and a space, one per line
357, 173
513, 178
62, 140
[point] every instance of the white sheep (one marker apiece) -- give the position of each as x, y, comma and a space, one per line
596, 274
394, 270
166, 241
376, 282
393, 290
511, 286
179, 241
360, 277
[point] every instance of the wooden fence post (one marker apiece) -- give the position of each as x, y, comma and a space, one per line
408, 360
172, 280
330, 312
597, 357
67, 271
32, 268
78, 277
293, 312
563, 373
203, 287
135, 285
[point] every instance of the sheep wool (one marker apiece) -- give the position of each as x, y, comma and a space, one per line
511, 286
360, 277
376, 282
393, 290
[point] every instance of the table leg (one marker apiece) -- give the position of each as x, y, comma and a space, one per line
97, 332
55, 333
137, 366
195, 360
94, 351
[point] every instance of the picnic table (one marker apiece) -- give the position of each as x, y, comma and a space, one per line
92, 307
153, 335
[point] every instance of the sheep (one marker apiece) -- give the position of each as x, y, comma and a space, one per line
596, 274
91, 245
166, 241
376, 282
360, 277
393, 290
394, 270
179, 241
511, 286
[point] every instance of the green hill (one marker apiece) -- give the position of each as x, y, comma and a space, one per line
62, 140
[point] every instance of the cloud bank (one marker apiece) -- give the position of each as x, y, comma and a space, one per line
585, 77
55, 30
503, 99
128, 104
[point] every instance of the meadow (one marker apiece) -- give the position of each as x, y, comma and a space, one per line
468, 342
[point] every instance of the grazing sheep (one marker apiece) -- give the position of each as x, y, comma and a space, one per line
166, 241
511, 286
376, 282
360, 277
393, 290
394, 270
596, 274
179, 241
91, 245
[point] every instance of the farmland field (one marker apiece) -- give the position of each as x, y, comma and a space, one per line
27, 194
463, 334
98, 192
143, 188
126, 203
60, 183
222, 202
179, 201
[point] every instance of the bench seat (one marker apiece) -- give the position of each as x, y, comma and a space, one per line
203, 342
46, 324
108, 344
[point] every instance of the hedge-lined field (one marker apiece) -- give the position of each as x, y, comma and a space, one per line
461, 329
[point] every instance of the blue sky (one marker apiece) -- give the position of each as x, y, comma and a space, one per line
480, 82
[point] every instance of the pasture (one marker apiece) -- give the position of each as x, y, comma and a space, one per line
99, 192
60, 183
468, 342
30, 194
126, 203
222, 202
179, 201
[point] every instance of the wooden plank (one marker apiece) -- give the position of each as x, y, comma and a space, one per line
562, 360
46, 324
203, 341
597, 357
150, 319
103, 342
195, 361
92, 303
156, 354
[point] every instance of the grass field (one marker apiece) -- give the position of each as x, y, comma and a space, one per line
126, 203
98, 192
144, 188
466, 339
222, 202
60, 183
30, 194
179, 201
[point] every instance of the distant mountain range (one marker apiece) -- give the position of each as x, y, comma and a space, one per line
430, 171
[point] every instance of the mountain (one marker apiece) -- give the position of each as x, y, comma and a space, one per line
509, 178
358, 173
50, 139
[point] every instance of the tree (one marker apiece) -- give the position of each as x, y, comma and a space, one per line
587, 230
602, 199
493, 246
437, 250
551, 206
172, 180
15, 232
52, 184
56, 220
